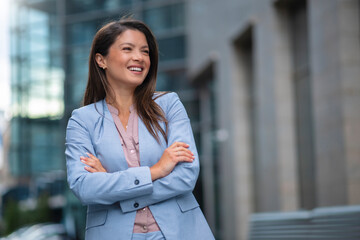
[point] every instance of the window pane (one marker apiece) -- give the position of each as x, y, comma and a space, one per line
77, 61
37, 16
81, 33
171, 81
80, 6
77, 66
164, 18
172, 48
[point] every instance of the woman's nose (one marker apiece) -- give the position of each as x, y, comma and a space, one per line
137, 55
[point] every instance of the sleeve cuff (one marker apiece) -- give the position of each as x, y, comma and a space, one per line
141, 180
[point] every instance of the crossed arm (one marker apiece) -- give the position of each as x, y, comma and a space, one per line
174, 174
177, 152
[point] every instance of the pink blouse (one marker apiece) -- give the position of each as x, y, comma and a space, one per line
144, 220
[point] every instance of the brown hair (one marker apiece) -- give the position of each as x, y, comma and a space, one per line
98, 87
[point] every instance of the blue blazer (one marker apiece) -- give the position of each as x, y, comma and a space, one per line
114, 197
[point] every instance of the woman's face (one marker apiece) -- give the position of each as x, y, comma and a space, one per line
127, 63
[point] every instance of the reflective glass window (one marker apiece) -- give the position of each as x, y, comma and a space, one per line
81, 33
14, 131
37, 75
165, 18
36, 15
77, 90
77, 61
23, 43
153, 0
77, 67
171, 81
80, 6
13, 160
192, 108
39, 39
172, 48
41, 1
39, 62
56, 62
13, 43
22, 16
13, 15
44, 146
55, 37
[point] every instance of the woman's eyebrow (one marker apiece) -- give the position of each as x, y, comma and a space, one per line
133, 45
126, 43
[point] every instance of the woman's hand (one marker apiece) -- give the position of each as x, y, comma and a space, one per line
177, 152
93, 163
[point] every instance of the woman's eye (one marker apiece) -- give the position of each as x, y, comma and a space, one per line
127, 48
146, 51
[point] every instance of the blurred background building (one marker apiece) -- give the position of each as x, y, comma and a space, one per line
285, 76
271, 86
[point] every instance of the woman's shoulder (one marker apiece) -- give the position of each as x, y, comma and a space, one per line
165, 98
88, 111
171, 105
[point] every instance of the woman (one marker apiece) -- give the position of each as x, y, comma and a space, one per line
130, 152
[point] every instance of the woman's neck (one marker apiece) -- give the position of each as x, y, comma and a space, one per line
122, 100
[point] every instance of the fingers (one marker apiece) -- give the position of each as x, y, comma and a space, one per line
184, 154
88, 161
90, 169
181, 152
175, 153
185, 159
179, 144
93, 163
92, 157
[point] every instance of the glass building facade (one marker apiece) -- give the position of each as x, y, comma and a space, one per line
37, 79
50, 43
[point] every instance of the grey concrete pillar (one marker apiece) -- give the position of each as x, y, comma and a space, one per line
334, 48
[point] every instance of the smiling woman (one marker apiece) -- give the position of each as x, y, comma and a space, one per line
130, 151
127, 62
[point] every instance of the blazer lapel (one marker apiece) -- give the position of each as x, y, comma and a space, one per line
143, 136
111, 132
149, 149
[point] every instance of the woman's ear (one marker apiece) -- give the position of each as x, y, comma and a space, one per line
100, 60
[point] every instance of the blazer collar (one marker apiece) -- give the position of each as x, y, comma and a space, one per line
144, 135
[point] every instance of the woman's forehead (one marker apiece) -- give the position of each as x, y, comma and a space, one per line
132, 36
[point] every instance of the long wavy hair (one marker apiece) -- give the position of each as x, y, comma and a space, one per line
98, 87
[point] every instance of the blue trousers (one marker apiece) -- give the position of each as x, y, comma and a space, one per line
148, 236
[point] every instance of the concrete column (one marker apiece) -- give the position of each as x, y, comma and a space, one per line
285, 113
267, 187
334, 45
242, 83
349, 74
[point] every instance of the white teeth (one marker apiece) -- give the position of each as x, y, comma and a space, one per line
137, 69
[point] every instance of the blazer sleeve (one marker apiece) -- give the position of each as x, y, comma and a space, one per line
183, 178
99, 188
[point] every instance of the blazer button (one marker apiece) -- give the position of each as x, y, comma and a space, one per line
136, 205
136, 182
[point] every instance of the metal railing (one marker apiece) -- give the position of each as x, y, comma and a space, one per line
340, 223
